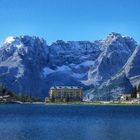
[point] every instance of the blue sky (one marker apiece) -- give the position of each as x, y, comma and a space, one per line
69, 19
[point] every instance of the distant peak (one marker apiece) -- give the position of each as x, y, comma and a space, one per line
114, 34
9, 40
32, 39
60, 42
113, 37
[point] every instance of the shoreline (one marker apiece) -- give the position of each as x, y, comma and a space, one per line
76, 103
96, 103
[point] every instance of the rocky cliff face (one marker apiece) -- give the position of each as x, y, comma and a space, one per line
116, 52
28, 65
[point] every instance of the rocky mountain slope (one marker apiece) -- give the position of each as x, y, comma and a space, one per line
104, 68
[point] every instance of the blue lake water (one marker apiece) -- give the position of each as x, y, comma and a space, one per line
72, 122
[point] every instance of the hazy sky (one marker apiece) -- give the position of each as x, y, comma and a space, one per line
69, 19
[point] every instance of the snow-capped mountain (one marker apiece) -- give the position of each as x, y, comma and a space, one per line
116, 52
28, 65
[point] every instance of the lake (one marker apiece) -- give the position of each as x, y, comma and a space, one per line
69, 122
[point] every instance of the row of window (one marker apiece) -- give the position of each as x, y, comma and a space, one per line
67, 95
68, 92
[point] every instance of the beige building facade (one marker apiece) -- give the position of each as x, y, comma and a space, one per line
66, 93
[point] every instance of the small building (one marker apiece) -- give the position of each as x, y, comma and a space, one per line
138, 95
125, 97
66, 93
47, 99
1, 98
7, 98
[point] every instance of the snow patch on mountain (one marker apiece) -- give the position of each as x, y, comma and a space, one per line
63, 68
9, 40
47, 71
87, 63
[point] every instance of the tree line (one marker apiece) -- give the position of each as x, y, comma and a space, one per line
135, 90
17, 96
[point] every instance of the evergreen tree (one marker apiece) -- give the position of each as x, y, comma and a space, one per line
18, 97
52, 99
139, 88
134, 92
67, 99
2, 90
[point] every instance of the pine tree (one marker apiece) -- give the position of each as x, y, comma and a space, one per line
4, 91
134, 92
52, 99
139, 88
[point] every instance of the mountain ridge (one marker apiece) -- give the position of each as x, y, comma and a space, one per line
28, 65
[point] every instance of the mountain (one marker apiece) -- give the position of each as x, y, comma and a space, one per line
124, 80
29, 66
132, 67
117, 50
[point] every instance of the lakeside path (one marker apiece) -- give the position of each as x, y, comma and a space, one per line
80, 103
96, 103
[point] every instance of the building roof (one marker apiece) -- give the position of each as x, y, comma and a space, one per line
1, 97
126, 95
66, 87
6, 96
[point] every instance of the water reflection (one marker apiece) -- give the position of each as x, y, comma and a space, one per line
39, 122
